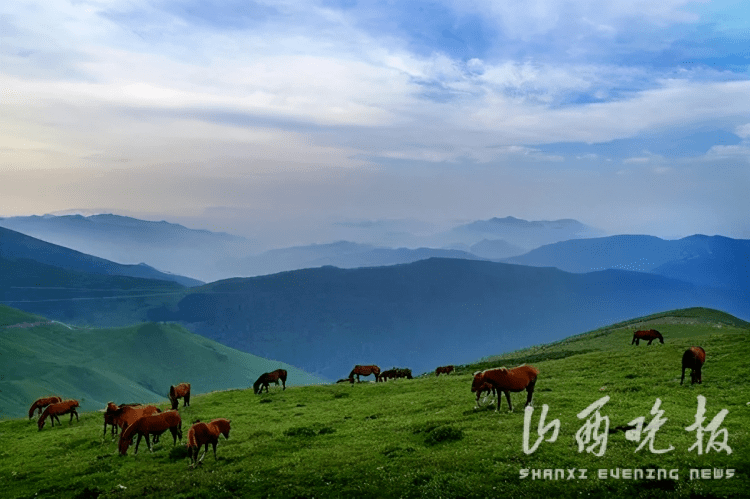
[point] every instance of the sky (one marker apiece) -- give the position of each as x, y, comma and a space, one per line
282, 119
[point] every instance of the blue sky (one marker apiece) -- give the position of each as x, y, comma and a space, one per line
280, 120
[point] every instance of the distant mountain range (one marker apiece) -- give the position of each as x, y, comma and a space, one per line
165, 246
715, 261
17, 246
132, 364
342, 254
211, 256
416, 314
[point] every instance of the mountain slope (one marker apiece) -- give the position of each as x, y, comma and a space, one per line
422, 314
15, 245
131, 364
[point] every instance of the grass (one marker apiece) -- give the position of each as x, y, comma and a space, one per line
422, 437
136, 363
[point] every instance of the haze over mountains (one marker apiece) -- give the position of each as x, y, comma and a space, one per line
210, 256
394, 307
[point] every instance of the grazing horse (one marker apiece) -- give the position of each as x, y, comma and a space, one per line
266, 379
395, 373
155, 424
443, 370
364, 371
42, 403
58, 409
693, 358
180, 391
485, 387
507, 380
650, 335
124, 415
204, 434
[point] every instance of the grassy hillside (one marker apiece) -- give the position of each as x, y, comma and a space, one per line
422, 437
131, 364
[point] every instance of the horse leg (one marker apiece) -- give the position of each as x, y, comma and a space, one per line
214, 444
530, 392
683, 375
200, 461
507, 396
137, 443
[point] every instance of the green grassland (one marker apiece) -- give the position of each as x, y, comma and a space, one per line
423, 437
130, 364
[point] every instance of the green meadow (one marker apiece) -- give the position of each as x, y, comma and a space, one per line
424, 438
128, 364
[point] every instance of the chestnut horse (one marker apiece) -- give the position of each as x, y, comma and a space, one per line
693, 358
266, 379
125, 415
42, 403
364, 371
155, 424
507, 380
443, 370
58, 409
650, 335
180, 391
204, 434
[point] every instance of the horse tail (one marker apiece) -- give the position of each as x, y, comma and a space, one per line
191, 440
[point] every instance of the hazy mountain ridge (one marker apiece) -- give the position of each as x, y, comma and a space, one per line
171, 247
715, 261
211, 256
15, 245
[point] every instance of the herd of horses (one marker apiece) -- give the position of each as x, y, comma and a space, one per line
138, 421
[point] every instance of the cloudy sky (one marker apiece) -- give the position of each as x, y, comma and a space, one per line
283, 118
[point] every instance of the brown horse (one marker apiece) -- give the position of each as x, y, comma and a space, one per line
58, 409
443, 370
204, 434
364, 371
693, 358
180, 391
266, 379
485, 387
41, 403
395, 373
155, 424
650, 335
507, 380
124, 415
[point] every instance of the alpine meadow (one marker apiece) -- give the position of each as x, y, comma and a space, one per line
366, 249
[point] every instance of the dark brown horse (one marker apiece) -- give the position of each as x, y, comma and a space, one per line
364, 371
156, 424
41, 403
58, 409
124, 415
395, 373
204, 434
266, 379
693, 359
443, 370
181, 391
508, 380
650, 335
